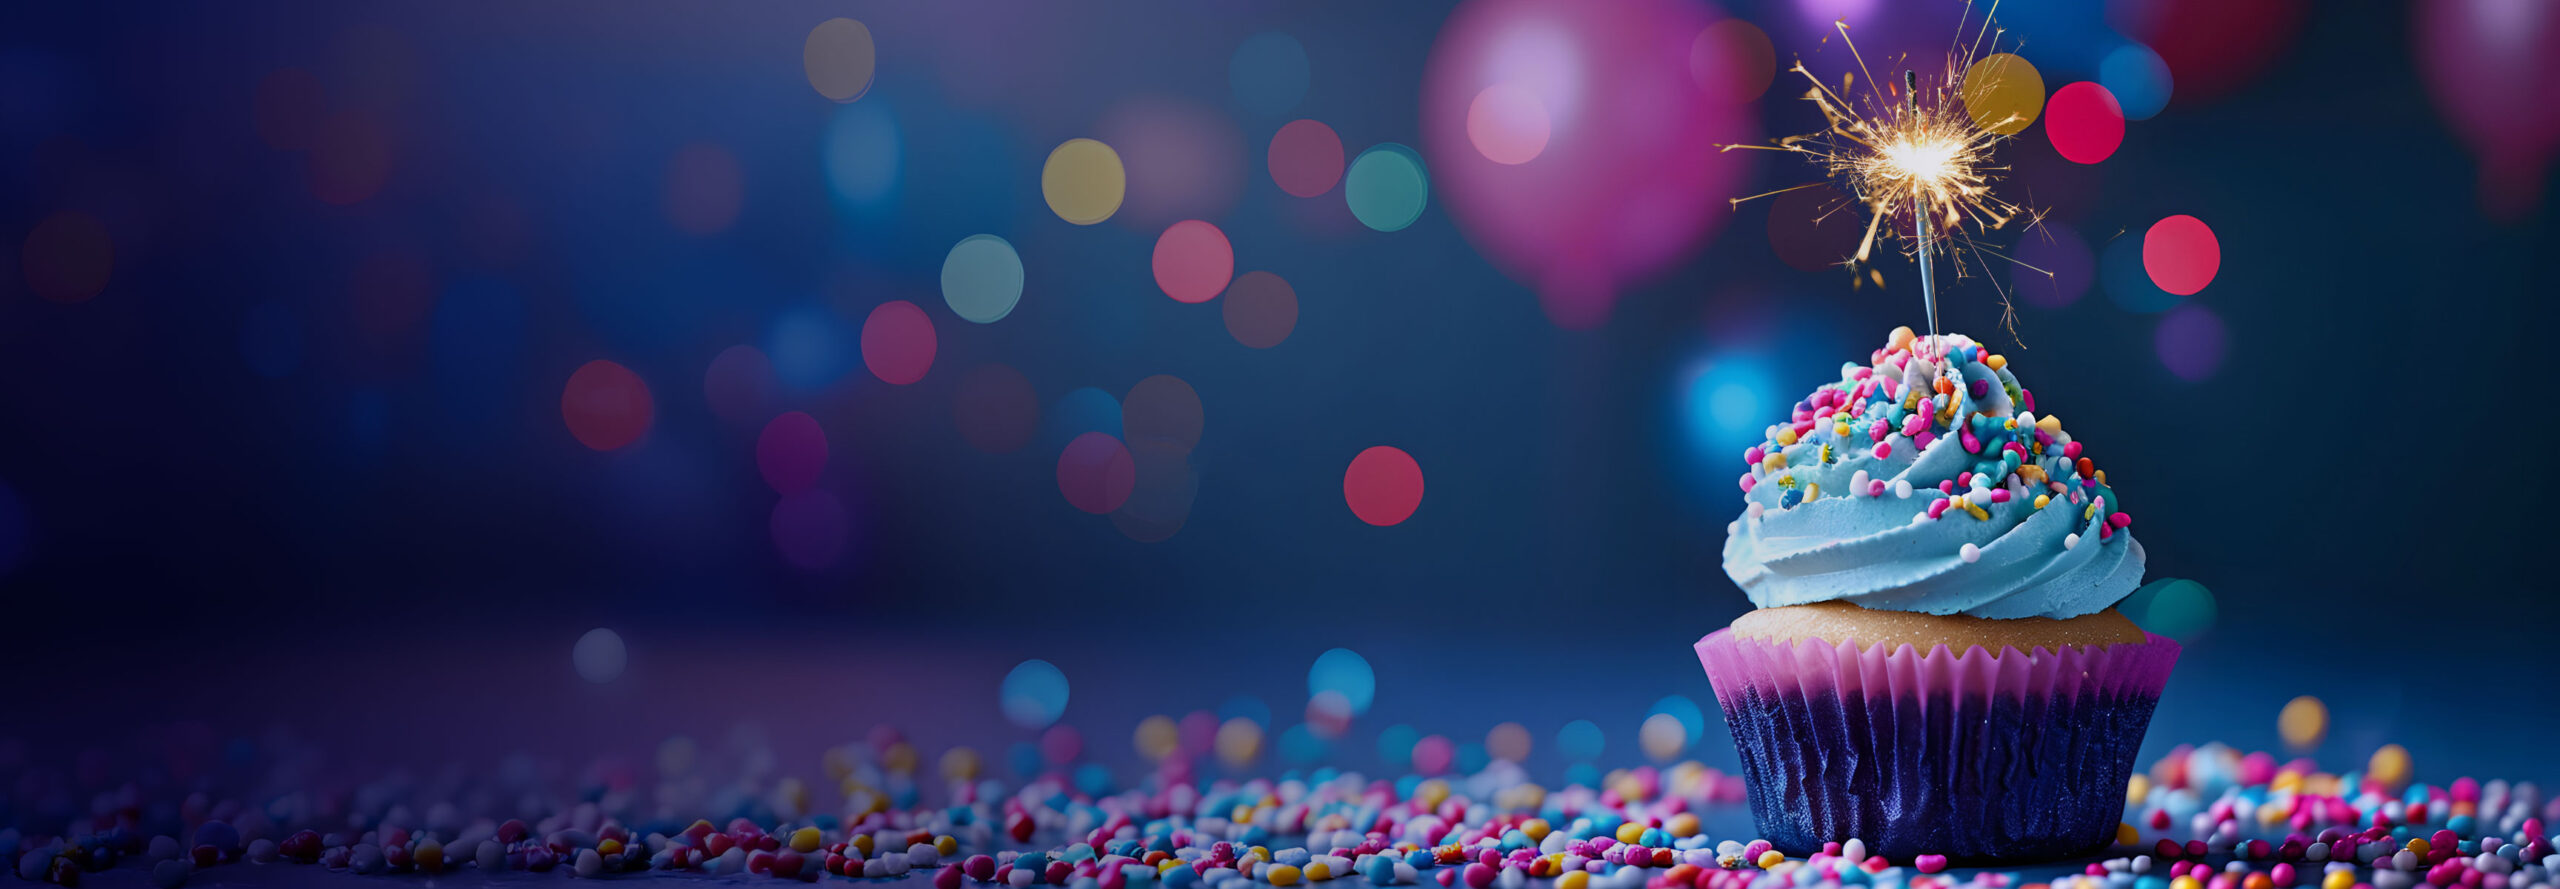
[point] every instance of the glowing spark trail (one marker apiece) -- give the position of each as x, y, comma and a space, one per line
1920, 154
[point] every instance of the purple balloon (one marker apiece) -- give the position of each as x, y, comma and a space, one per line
1627, 179
2494, 69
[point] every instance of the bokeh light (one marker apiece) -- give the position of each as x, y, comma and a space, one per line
1199, 732
1507, 124
996, 409
1033, 695
1733, 60
1344, 672
862, 154
1246, 707
599, 656
287, 107
1261, 309
271, 339
898, 342
1386, 187
840, 59
739, 384
2181, 255
2303, 723
2179, 609
1305, 158
1662, 737
1158, 738
2191, 343
2003, 93
1383, 485
705, 189
982, 278
1581, 741
1693, 719
2066, 263
606, 405
1814, 229
791, 452
2128, 284
1433, 755
1193, 261
1096, 473
1239, 742
1080, 411
1509, 742
1304, 745
2138, 78
1328, 714
1083, 181
810, 528
1725, 407
2084, 122
2490, 66
350, 158
1061, 744
68, 257
1162, 409
1268, 74
2390, 766
808, 348
1160, 498
1185, 160
1395, 745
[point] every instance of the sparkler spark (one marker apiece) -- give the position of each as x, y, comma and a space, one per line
1916, 159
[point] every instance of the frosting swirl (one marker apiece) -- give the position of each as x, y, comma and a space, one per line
1924, 481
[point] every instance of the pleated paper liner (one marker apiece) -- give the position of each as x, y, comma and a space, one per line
1982, 757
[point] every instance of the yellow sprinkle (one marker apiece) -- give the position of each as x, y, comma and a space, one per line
2419, 846
2275, 811
1770, 859
1684, 825
2009, 424
1261, 852
2031, 472
2041, 500
1536, 829
2138, 789
1281, 875
946, 844
609, 847
862, 842
1574, 879
1996, 362
1630, 832
1318, 871
1242, 815
2186, 883
2051, 424
1169, 864
1813, 491
2102, 476
1786, 436
1978, 512
1774, 461
805, 840
1841, 430
1898, 340
1825, 453
2125, 834
2339, 879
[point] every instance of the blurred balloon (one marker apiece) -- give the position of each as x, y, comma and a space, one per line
2494, 69
1573, 142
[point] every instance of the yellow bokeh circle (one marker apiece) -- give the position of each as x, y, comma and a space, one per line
1158, 738
2303, 722
2003, 93
1083, 181
839, 59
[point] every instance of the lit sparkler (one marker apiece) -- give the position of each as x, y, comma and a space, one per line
1919, 155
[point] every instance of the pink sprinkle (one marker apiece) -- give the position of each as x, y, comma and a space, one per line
1924, 438
1915, 424
1972, 445
1884, 449
1862, 373
2105, 532
2120, 519
1803, 426
1747, 482
2071, 450
1937, 507
1753, 455
1964, 479
1875, 488
1930, 864
1946, 487
2028, 397
1879, 429
2001, 495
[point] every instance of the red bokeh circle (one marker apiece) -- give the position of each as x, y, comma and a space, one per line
606, 405
1383, 485
2181, 254
2084, 122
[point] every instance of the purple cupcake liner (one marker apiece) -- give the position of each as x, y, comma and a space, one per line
1980, 756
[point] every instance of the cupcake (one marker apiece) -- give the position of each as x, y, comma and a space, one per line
1934, 662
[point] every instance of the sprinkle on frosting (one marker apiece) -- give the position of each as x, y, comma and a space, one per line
2010, 495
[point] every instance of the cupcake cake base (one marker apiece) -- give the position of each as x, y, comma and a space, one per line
1920, 734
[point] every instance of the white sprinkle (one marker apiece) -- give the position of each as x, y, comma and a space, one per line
1919, 518
1970, 553
1902, 488
1858, 482
2070, 540
1754, 510
1733, 527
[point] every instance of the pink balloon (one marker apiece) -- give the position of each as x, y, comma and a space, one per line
1574, 147
2494, 69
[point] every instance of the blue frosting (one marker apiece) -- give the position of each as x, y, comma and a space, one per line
1955, 525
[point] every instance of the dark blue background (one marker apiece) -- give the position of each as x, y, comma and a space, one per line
413, 530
